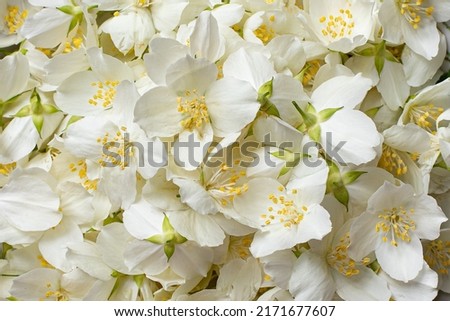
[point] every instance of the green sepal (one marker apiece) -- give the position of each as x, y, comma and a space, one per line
178, 238
314, 133
73, 119
265, 91
379, 64
351, 176
24, 111
341, 194
309, 116
157, 239
326, 114
372, 112
169, 249
49, 109
139, 280
367, 52
38, 121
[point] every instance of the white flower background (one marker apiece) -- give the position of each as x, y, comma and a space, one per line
224, 150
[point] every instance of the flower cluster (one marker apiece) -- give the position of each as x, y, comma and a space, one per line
224, 150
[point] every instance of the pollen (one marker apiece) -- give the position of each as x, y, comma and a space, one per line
117, 151
283, 211
437, 255
425, 116
193, 107
414, 11
392, 162
80, 168
106, 92
395, 225
309, 72
6, 169
15, 18
339, 25
264, 33
339, 259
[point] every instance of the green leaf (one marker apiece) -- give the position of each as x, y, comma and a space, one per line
326, 114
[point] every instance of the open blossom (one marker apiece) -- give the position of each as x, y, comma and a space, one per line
392, 226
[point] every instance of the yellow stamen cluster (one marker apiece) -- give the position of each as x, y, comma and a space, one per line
240, 247
283, 211
193, 106
264, 33
6, 169
106, 92
339, 25
75, 42
437, 255
119, 150
425, 116
15, 18
81, 169
339, 259
59, 295
224, 184
395, 225
392, 162
309, 72
143, 3
413, 11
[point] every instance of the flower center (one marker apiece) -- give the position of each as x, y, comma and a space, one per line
224, 184
75, 43
309, 72
193, 107
117, 149
240, 246
264, 33
284, 211
395, 225
59, 295
414, 12
338, 258
106, 91
6, 169
339, 25
392, 162
81, 169
437, 255
425, 116
15, 18
143, 3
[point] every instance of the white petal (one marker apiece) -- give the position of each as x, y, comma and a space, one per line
108, 67
287, 53
14, 76
428, 217
252, 67
390, 19
232, 104
47, 28
402, 262
365, 286
424, 40
206, 41
191, 147
189, 74
87, 258
363, 236
145, 256
195, 195
156, 112
190, 260
33, 285
311, 279
17, 140
341, 91
422, 288
410, 138
392, 85
196, 227
29, 204
315, 225
55, 242
142, 220
279, 266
